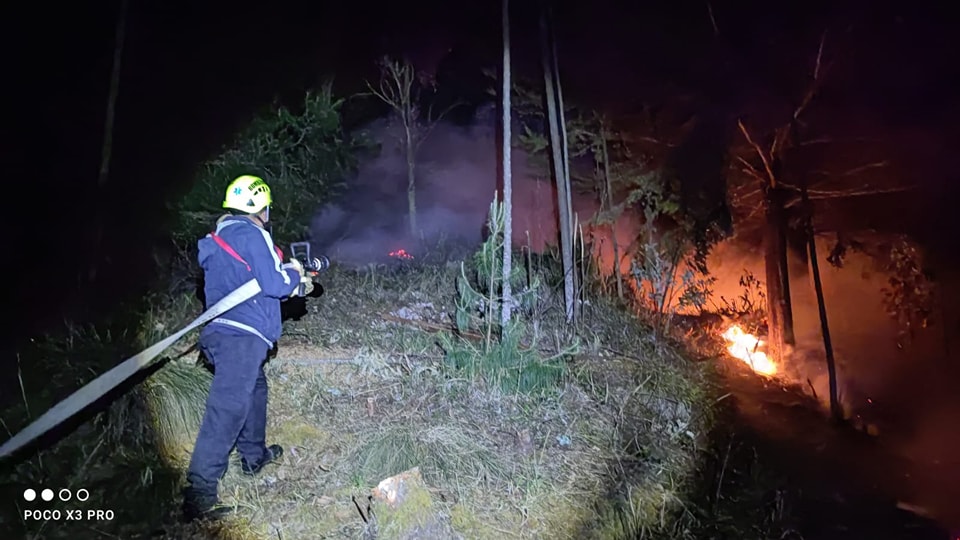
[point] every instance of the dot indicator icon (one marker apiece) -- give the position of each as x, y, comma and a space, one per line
29, 495
47, 494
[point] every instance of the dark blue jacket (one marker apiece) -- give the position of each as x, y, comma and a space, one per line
223, 273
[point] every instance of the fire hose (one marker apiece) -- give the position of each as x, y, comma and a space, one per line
98, 387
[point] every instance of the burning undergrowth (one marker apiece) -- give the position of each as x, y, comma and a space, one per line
880, 365
879, 385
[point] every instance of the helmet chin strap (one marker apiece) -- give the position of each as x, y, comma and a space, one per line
267, 226
264, 218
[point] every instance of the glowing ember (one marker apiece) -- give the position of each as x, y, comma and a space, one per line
401, 254
743, 346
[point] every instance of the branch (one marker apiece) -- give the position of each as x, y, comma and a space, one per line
817, 194
396, 86
713, 20
815, 83
648, 139
766, 163
382, 96
782, 135
750, 170
820, 195
425, 129
855, 170
743, 198
831, 140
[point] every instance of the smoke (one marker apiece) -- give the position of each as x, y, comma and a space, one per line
870, 352
906, 386
457, 172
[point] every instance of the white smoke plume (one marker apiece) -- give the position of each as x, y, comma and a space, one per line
456, 180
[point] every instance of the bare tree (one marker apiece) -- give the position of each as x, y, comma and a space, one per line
572, 218
507, 173
836, 413
399, 87
560, 169
768, 171
608, 196
112, 98
779, 309
777, 200
107, 148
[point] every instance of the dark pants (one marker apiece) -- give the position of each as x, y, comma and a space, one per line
236, 412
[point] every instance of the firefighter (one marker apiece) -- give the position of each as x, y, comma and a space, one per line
237, 343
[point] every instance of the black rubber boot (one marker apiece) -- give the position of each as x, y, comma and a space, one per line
199, 505
273, 453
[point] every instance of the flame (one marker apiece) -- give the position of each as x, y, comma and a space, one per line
401, 254
743, 346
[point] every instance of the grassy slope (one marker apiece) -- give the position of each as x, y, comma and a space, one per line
359, 398
356, 398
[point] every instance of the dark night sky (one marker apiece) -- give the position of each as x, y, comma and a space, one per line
192, 73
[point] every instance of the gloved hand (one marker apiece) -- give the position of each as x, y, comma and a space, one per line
304, 288
296, 265
307, 286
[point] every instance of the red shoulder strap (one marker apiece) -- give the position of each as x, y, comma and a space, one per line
226, 247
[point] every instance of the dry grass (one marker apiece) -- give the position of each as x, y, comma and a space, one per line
360, 391
356, 398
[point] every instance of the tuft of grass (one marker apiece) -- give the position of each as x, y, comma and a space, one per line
176, 399
505, 363
508, 355
446, 454
166, 314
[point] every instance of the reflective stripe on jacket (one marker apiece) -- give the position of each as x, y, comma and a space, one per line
251, 251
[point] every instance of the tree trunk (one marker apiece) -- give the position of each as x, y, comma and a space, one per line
776, 295
566, 158
507, 173
112, 98
565, 229
784, 269
106, 152
613, 220
836, 411
411, 180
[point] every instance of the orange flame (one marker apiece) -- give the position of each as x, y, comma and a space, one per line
743, 346
401, 254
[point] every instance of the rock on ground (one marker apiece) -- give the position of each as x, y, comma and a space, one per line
403, 509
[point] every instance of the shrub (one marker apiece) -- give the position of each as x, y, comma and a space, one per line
304, 156
484, 349
668, 268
